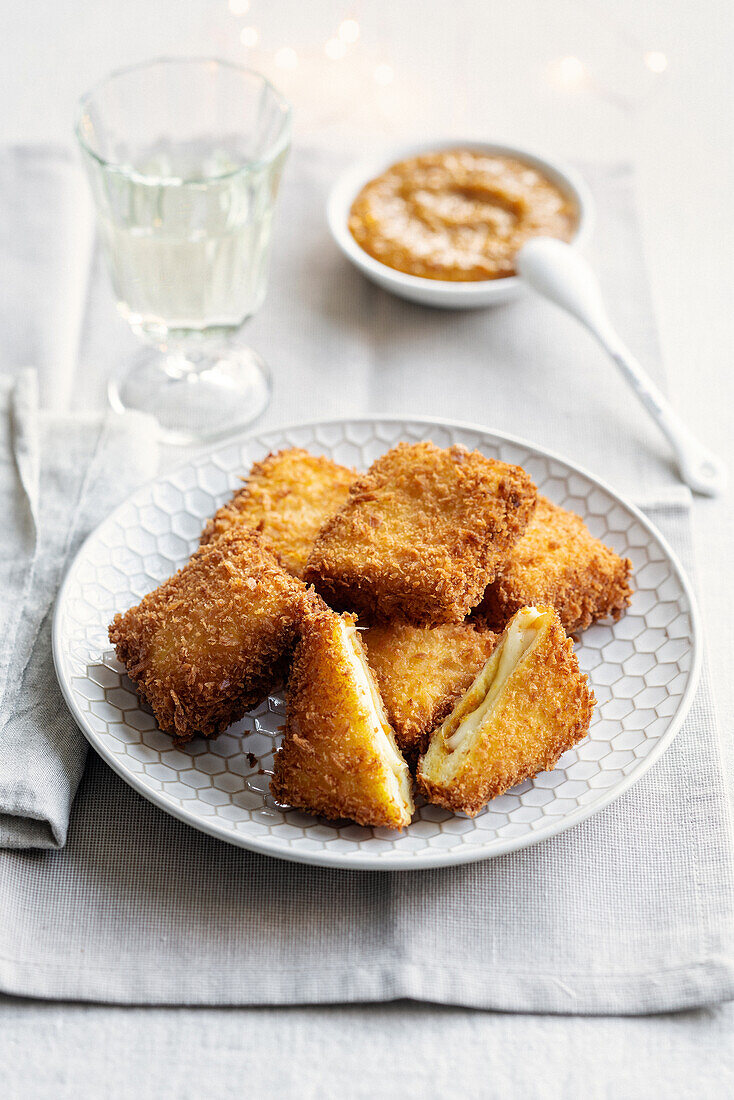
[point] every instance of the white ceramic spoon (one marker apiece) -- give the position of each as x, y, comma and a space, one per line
559, 272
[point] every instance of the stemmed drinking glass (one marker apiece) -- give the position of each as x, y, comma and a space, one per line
184, 157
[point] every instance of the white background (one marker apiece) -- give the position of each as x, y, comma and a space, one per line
484, 69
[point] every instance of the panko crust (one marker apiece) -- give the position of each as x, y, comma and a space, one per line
327, 763
209, 643
287, 498
559, 562
421, 671
544, 708
421, 534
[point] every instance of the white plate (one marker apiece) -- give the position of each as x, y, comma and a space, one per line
643, 669
443, 293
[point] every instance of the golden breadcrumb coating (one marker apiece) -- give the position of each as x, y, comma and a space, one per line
287, 497
421, 534
421, 671
207, 644
339, 756
559, 562
529, 704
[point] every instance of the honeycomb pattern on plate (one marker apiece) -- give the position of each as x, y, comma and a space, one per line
642, 668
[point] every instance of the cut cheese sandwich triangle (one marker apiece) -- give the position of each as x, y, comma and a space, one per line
339, 757
529, 703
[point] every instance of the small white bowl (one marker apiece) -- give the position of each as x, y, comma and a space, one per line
440, 292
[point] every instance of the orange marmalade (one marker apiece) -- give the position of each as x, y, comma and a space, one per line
458, 215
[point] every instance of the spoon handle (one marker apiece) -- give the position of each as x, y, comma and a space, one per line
700, 468
562, 275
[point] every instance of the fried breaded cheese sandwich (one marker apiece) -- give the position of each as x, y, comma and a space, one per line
207, 644
559, 562
339, 757
421, 671
287, 497
421, 534
528, 705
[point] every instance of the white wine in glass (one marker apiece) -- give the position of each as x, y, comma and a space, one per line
184, 158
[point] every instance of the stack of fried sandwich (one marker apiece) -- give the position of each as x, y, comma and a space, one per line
420, 613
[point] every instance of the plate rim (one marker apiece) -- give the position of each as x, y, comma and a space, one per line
367, 861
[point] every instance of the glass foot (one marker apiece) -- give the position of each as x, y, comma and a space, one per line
195, 399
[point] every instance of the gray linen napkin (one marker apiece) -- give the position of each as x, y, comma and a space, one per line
629, 912
59, 476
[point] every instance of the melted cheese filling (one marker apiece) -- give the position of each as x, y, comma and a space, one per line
520, 635
381, 732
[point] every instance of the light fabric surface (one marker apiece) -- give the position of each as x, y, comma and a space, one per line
46, 239
59, 476
356, 1052
630, 912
